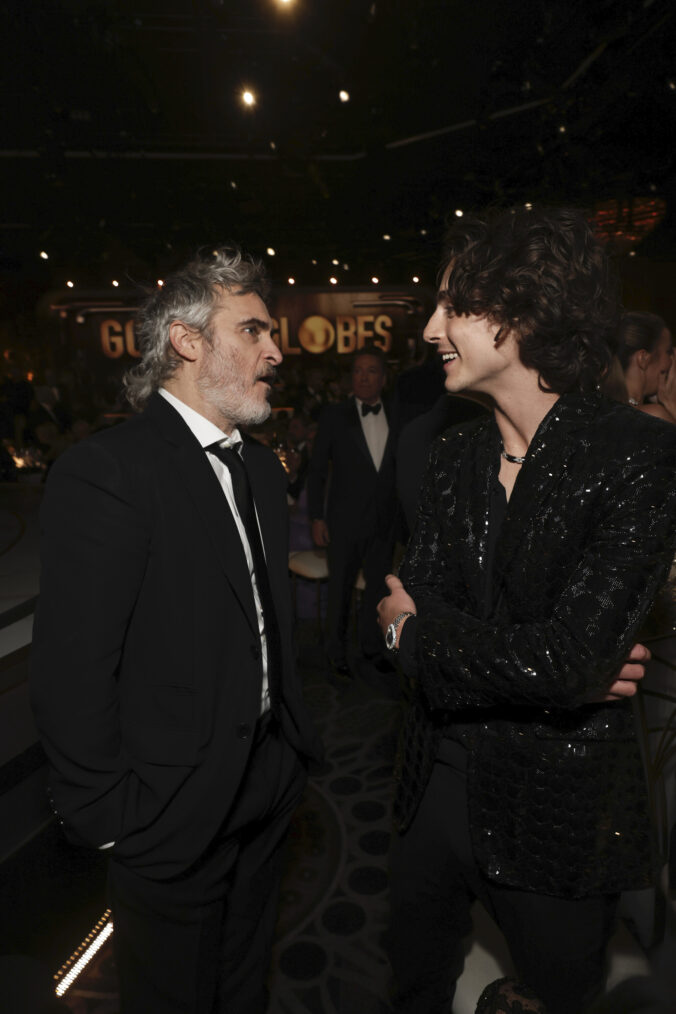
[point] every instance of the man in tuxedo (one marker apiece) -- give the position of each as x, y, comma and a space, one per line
544, 531
163, 677
353, 455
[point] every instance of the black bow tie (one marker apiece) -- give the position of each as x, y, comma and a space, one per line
365, 409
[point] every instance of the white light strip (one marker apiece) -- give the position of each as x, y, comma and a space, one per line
91, 949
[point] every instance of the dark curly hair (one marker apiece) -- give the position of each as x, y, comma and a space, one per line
543, 275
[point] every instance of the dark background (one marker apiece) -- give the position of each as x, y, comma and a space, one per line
125, 144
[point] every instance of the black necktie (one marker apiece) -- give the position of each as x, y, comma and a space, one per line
365, 409
247, 512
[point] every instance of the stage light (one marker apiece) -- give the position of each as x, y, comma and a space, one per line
375, 280
44, 255
248, 98
69, 284
271, 251
334, 281
116, 283
344, 96
459, 212
292, 281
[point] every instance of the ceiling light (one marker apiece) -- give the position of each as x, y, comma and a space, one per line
273, 145
292, 281
415, 279
160, 282
248, 98
335, 261
271, 251
116, 283
528, 206
562, 128
344, 96
375, 280
69, 284
314, 261
423, 232
334, 281
386, 236
459, 212
44, 255
233, 185
346, 267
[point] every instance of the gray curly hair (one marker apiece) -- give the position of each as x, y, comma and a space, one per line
189, 295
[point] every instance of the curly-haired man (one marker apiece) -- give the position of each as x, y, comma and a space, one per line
543, 534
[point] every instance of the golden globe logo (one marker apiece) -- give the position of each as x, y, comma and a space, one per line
316, 334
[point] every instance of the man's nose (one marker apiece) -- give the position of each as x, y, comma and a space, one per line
272, 353
434, 330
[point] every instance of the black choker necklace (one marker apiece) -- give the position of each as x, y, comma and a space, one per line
514, 458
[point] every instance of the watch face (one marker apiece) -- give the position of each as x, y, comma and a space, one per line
390, 637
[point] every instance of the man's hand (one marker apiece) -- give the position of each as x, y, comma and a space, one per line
629, 675
320, 533
398, 601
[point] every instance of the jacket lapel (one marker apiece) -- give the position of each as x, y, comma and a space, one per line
553, 446
198, 478
355, 429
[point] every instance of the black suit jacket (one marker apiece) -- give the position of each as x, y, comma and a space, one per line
146, 669
360, 499
557, 796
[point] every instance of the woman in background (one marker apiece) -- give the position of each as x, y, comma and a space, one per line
645, 353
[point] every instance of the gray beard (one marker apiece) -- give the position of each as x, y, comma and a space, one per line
221, 385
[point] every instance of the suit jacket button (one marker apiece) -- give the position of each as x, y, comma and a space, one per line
243, 731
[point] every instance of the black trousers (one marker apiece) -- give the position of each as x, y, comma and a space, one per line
347, 553
200, 943
557, 945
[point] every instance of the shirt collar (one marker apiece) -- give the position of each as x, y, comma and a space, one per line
204, 431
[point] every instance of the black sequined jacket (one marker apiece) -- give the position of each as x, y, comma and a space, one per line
557, 798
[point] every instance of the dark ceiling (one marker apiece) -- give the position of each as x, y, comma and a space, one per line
125, 144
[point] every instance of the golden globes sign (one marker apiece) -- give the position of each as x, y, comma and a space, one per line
307, 324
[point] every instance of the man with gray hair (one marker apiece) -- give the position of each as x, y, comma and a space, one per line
163, 677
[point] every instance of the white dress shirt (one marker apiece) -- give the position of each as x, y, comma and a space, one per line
375, 431
207, 433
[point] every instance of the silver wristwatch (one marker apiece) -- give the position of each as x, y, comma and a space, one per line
391, 635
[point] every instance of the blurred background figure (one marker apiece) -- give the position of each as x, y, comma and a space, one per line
645, 353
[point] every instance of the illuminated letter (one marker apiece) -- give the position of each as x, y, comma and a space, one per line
286, 349
362, 331
382, 322
112, 341
346, 334
130, 339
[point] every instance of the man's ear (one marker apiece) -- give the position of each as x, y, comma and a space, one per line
185, 342
642, 358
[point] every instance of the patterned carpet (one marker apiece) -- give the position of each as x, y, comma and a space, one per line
328, 956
